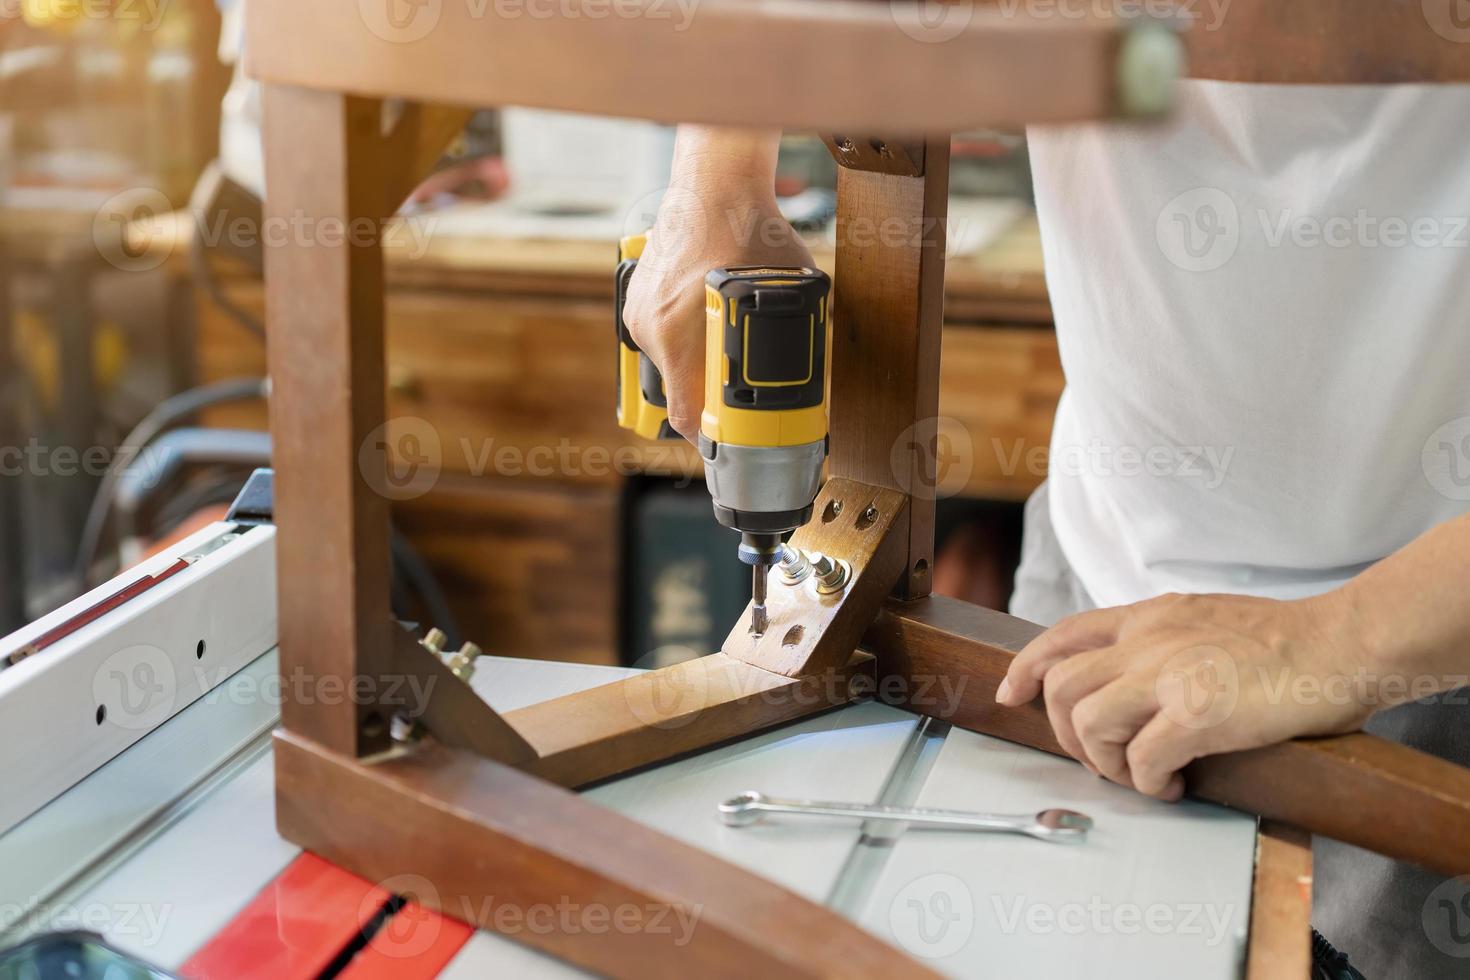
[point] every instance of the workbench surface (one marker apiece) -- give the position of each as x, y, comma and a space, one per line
1157, 891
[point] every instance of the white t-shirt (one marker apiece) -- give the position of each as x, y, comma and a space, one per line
1263, 308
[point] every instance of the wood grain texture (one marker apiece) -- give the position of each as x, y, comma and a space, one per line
1280, 944
324, 301
654, 717
491, 845
1331, 42
887, 318
841, 65
811, 633
450, 709
1355, 788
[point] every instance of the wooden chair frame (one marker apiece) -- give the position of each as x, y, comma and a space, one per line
481, 807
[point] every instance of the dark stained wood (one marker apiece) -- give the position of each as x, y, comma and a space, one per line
1330, 42
489, 844
887, 318
653, 717
811, 633
325, 304
1355, 788
902, 158
1280, 944
809, 64
450, 709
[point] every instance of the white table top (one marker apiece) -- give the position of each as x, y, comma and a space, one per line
1158, 891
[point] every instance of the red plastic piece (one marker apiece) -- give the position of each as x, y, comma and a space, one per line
294, 928
309, 915
413, 945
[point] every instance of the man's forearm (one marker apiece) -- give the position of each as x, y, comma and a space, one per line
1411, 614
748, 156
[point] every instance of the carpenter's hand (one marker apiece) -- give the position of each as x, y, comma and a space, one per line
1137, 692
703, 224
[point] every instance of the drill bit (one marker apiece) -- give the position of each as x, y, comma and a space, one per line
758, 618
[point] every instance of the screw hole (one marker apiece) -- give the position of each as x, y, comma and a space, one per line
921, 566
793, 636
879, 147
199, 651
372, 725
843, 143
101, 713
867, 517
834, 507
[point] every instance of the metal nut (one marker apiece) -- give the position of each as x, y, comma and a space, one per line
831, 573
794, 566
462, 663
434, 640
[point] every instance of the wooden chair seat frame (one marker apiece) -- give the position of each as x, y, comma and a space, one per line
482, 806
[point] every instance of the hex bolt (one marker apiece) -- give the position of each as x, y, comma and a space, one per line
793, 565
463, 662
434, 640
832, 573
